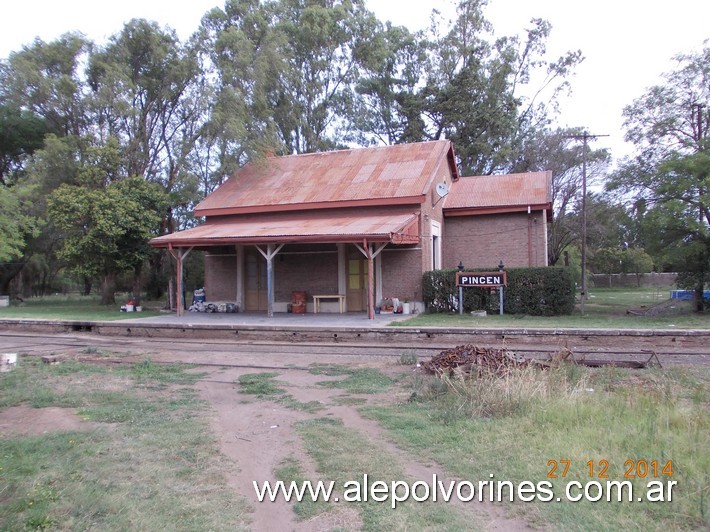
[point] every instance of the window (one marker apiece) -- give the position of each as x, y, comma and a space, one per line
435, 245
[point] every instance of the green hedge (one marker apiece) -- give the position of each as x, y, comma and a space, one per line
532, 291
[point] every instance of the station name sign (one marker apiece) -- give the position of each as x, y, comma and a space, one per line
481, 279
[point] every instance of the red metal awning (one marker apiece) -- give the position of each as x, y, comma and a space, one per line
397, 227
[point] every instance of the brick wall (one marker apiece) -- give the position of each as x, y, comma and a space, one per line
402, 274
220, 277
432, 210
315, 273
482, 241
478, 241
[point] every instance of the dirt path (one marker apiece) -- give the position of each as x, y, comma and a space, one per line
258, 435
255, 435
25, 420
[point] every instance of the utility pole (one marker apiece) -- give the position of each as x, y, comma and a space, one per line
697, 110
584, 137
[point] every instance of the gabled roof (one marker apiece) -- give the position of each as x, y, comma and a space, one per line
499, 193
385, 176
399, 226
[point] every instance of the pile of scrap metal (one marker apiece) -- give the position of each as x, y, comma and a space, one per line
471, 359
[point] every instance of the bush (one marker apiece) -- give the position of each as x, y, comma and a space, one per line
533, 291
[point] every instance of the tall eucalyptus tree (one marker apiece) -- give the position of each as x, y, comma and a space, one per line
146, 91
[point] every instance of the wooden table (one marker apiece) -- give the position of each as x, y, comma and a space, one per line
317, 299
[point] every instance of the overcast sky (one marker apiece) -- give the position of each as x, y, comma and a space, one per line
627, 43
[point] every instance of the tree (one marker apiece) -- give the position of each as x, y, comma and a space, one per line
320, 42
669, 177
287, 67
638, 262
142, 94
21, 133
607, 260
458, 83
386, 104
41, 84
107, 229
46, 79
612, 260
147, 91
15, 225
57, 162
561, 153
261, 77
240, 47
608, 224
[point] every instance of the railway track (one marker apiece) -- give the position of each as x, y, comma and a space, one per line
282, 355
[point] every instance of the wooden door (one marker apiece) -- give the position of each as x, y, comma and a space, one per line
255, 280
356, 282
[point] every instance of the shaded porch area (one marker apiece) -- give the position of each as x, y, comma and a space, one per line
257, 261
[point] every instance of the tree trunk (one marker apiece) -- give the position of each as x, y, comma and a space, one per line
26, 285
155, 287
137, 285
8, 273
44, 284
87, 286
699, 297
108, 289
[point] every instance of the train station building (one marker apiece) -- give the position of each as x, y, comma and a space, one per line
343, 230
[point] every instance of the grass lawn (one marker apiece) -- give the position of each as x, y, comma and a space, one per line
75, 307
343, 454
605, 308
562, 425
145, 461
146, 458
648, 425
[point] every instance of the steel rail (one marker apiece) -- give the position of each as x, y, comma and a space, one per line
55, 343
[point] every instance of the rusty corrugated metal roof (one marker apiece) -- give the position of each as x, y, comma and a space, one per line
400, 227
348, 177
510, 190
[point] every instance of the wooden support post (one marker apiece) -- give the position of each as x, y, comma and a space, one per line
269, 281
370, 283
370, 254
179, 255
180, 281
240, 278
269, 255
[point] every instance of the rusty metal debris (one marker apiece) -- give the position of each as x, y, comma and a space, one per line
567, 355
473, 359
